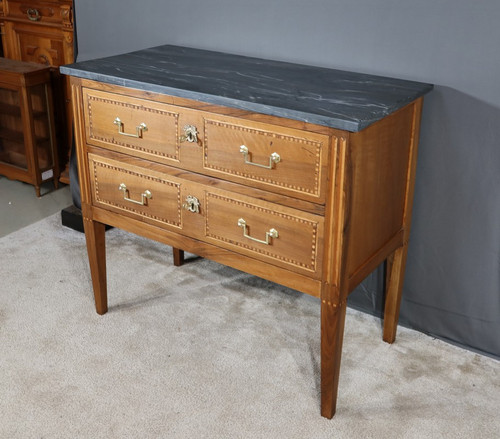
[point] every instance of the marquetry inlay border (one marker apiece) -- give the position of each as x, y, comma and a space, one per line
135, 107
111, 168
301, 222
314, 190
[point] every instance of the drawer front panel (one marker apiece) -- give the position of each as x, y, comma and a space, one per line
273, 158
135, 192
37, 11
140, 127
43, 46
280, 235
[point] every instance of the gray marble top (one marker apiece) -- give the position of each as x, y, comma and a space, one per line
334, 98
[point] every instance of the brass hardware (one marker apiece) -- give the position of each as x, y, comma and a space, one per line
144, 196
43, 59
192, 204
138, 129
272, 233
190, 134
273, 158
33, 14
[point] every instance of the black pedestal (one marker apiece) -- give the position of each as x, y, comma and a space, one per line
71, 217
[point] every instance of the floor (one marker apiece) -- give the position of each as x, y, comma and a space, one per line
20, 207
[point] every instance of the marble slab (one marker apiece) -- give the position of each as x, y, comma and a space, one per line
334, 98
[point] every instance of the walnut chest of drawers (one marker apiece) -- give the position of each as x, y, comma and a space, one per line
300, 175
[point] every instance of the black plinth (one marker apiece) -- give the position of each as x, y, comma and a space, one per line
71, 217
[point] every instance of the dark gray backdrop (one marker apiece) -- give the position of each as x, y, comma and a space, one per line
452, 287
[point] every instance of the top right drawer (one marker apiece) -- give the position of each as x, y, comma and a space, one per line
284, 160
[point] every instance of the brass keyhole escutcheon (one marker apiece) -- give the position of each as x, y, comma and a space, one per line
192, 204
190, 134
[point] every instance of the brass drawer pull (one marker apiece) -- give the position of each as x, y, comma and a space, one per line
272, 233
144, 196
273, 158
192, 204
138, 129
190, 134
33, 14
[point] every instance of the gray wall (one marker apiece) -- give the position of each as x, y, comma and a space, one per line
452, 287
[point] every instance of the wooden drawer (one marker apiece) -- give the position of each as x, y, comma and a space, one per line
274, 158
43, 45
135, 192
281, 236
283, 160
38, 11
140, 127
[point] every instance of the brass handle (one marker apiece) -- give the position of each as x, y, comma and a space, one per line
33, 14
190, 134
144, 196
272, 233
192, 204
273, 158
43, 59
138, 129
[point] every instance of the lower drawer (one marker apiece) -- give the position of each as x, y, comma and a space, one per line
272, 233
264, 230
135, 192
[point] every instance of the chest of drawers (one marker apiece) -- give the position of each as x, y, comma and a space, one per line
310, 199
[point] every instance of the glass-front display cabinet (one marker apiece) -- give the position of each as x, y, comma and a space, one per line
28, 149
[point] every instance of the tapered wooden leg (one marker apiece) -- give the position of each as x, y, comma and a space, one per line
394, 287
95, 237
178, 256
396, 263
332, 334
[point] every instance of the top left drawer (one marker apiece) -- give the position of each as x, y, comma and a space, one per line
139, 127
44, 12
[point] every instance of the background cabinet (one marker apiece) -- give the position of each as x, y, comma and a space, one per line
43, 32
27, 136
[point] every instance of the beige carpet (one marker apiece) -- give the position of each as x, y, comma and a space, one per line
204, 351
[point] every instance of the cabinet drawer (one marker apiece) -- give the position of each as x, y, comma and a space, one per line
140, 127
279, 235
42, 45
37, 11
274, 158
134, 191
269, 232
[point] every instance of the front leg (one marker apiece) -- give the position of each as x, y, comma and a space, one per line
96, 249
332, 335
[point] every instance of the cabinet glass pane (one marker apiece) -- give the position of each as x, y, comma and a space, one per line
12, 149
43, 138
